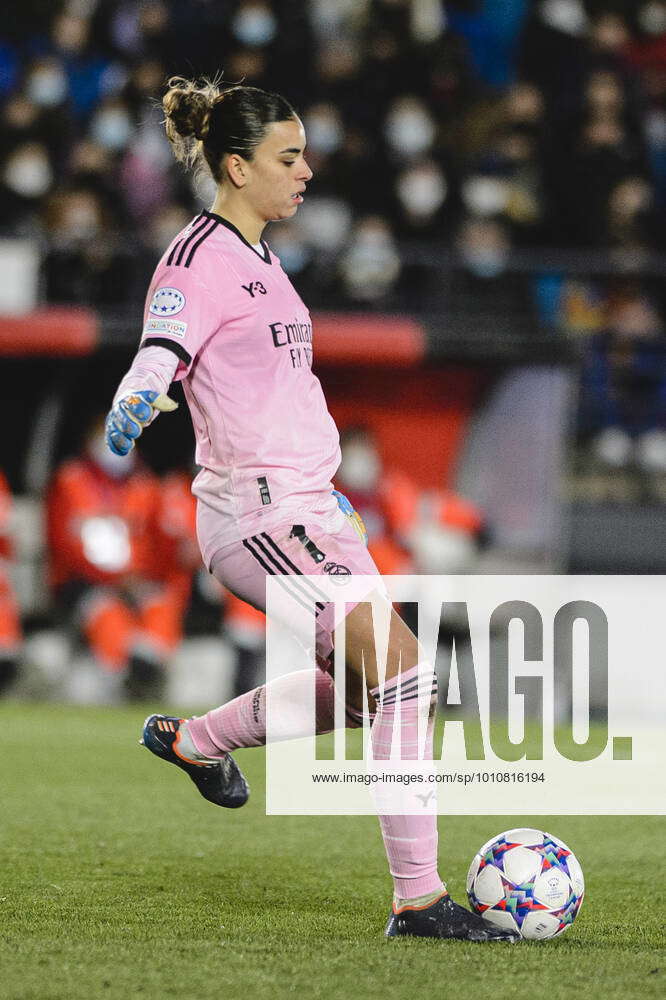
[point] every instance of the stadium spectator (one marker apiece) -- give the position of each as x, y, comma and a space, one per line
10, 625
409, 531
624, 402
120, 561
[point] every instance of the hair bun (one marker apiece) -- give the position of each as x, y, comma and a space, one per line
187, 110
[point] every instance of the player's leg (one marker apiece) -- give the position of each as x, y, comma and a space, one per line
202, 746
422, 906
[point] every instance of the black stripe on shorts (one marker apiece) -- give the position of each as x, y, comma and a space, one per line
294, 569
262, 562
299, 585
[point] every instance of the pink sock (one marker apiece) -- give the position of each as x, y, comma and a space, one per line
242, 722
410, 841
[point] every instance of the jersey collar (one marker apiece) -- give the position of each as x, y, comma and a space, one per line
266, 257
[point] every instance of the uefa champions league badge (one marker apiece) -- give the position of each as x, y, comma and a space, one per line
167, 302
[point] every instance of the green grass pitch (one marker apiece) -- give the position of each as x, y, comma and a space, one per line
119, 880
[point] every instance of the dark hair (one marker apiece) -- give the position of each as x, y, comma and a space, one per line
204, 119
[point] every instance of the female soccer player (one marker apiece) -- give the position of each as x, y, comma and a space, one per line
222, 317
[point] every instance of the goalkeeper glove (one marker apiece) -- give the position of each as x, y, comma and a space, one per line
130, 415
352, 516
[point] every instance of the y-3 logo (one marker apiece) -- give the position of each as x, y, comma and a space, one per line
255, 286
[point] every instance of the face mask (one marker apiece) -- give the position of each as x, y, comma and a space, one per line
254, 26
485, 263
652, 18
410, 131
326, 222
28, 174
428, 21
149, 144
116, 466
324, 133
360, 467
47, 87
564, 15
422, 192
371, 265
294, 255
112, 129
484, 195
329, 16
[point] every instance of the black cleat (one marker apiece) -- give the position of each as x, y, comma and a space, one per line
444, 919
218, 779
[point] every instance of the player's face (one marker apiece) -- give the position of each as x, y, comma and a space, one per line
278, 172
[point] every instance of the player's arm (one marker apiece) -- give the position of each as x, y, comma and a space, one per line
181, 313
140, 397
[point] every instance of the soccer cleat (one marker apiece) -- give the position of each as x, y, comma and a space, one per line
218, 779
444, 919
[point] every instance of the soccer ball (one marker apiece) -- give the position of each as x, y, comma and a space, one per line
528, 881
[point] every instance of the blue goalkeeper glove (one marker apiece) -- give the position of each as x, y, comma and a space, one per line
130, 415
352, 516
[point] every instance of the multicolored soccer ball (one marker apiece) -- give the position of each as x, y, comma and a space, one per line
527, 881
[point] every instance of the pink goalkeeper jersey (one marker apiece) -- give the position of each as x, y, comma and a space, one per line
243, 337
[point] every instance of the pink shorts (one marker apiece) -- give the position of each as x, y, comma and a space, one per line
293, 550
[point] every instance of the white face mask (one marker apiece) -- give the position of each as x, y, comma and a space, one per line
47, 87
152, 146
323, 132
28, 173
116, 466
360, 468
329, 16
293, 254
254, 25
488, 263
567, 16
325, 222
652, 18
409, 130
371, 265
428, 20
422, 191
484, 195
112, 129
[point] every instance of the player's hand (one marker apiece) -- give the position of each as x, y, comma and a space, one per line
352, 516
130, 415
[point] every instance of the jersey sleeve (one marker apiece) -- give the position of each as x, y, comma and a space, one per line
180, 314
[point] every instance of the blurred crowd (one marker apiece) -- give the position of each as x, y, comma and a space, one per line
452, 144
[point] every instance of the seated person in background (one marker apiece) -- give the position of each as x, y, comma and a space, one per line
243, 625
10, 626
116, 573
409, 530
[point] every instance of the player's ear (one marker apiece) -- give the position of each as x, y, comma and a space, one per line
236, 170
